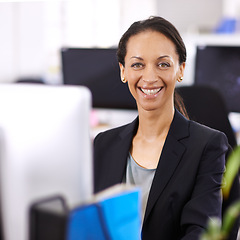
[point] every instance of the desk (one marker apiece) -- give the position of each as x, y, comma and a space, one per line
104, 119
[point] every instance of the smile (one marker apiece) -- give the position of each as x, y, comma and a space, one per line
151, 91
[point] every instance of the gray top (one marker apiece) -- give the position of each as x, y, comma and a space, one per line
141, 177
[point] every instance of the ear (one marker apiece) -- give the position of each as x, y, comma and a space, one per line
122, 70
181, 69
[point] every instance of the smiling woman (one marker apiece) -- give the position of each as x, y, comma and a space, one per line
177, 163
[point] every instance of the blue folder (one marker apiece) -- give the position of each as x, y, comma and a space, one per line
113, 218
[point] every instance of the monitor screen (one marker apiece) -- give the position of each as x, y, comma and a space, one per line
97, 69
45, 150
219, 67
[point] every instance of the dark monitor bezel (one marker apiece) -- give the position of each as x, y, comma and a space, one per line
79, 66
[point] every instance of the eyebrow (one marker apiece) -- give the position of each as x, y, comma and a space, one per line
164, 56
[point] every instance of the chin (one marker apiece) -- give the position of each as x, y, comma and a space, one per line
148, 107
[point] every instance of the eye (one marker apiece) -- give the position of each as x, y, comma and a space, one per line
137, 65
164, 65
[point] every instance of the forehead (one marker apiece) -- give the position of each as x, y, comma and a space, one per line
151, 43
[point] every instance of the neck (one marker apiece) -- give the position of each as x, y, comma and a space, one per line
154, 124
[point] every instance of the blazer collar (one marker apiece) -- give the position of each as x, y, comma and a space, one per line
171, 155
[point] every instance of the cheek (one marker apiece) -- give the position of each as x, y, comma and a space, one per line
132, 86
132, 90
169, 78
132, 78
131, 74
173, 74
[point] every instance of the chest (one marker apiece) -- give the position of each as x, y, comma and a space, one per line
147, 153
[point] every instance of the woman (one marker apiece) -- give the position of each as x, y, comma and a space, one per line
177, 163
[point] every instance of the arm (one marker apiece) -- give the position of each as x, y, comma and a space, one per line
206, 200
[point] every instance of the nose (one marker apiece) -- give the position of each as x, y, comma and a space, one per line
149, 75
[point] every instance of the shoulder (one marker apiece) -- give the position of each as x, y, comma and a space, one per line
198, 136
202, 132
112, 135
183, 128
206, 143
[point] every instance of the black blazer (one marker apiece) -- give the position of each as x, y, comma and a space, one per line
185, 191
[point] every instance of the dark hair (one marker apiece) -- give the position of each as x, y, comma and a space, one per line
164, 27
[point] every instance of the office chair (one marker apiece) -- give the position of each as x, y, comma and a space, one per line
206, 105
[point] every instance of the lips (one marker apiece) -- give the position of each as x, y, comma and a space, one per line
151, 91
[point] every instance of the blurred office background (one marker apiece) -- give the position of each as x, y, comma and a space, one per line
33, 32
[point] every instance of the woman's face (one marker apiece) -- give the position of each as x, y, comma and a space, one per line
151, 70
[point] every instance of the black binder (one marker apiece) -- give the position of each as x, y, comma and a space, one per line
48, 219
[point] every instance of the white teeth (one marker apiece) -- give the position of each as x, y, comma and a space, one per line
151, 91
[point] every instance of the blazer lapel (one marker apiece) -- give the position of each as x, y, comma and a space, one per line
120, 154
171, 155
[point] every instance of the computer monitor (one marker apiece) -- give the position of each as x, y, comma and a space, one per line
45, 150
219, 66
97, 69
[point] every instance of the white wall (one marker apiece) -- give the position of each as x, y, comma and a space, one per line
192, 15
34, 31
22, 46
7, 60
